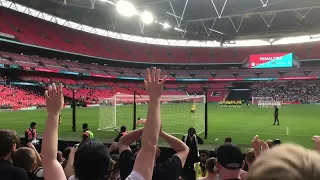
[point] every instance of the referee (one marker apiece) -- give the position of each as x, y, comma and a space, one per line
276, 115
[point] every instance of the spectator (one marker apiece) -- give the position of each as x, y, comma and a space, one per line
228, 140
230, 161
123, 131
171, 169
284, 162
250, 158
91, 160
65, 155
200, 167
192, 141
145, 160
290, 91
211, 169
26, 158
59, 157
115, 172
9, 140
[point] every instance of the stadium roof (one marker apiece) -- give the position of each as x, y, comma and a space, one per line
220, 20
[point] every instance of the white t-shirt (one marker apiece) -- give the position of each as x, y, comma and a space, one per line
72, 178
134, 176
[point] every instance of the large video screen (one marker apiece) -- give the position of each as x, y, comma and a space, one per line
274, 60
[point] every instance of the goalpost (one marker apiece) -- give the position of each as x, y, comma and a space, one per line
176, 115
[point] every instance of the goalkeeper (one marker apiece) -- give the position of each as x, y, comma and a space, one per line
60, 119
193, 108
140, 121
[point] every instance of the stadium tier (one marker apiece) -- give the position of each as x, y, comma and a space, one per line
35, 31
56, 65
14, 97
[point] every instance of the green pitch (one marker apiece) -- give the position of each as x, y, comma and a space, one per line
298, 123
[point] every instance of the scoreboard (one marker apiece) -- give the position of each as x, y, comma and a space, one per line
272, 60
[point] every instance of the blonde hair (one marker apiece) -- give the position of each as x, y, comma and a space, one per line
286, 162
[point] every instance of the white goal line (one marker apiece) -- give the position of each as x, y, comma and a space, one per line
271, 134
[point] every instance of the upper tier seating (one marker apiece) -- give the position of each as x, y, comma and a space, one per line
32, 30
33, 61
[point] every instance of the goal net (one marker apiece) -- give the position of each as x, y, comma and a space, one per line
176, 115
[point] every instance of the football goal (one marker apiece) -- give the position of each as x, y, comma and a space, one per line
178, 112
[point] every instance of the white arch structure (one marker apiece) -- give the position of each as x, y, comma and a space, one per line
156, 41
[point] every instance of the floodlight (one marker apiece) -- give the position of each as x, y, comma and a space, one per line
126, 8
166, 25
146, 17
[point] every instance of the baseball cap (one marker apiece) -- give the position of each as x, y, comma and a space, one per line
230, 156
92, 160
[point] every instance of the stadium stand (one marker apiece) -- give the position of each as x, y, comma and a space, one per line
290, 91
14, 97
53, 36
24, 90
53, 64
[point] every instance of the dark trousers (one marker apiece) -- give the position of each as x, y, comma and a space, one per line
276, 119
189, 173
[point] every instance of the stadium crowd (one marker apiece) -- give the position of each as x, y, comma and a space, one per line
92, 160
289, 91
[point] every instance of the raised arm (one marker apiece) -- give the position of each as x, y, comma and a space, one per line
54, 102
128, 139
144, 163
182, 150
69, 170
30, 145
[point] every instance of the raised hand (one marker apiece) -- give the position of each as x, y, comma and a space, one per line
255, 143
31, 146
152, 84
264, 145
316, 140
54, 99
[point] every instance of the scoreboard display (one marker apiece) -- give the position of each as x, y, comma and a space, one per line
272, 60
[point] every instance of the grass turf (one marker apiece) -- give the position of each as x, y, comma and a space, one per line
298, 123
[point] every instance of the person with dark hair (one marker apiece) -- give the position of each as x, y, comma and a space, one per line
228, 140
9, 141
211, 169
65, 155
123, 131
192, 141
200, 167
91, 160
86, 131
276, 115
30, 134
